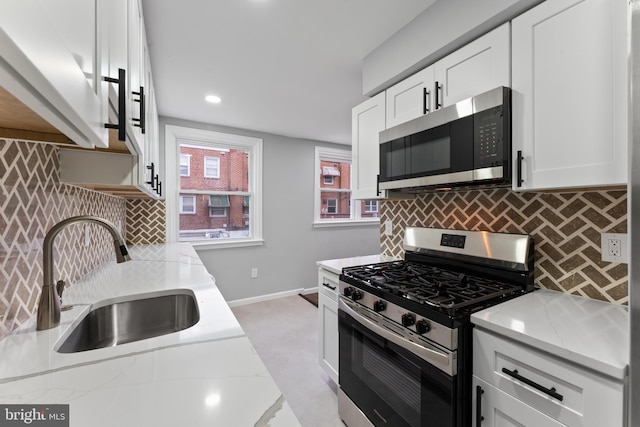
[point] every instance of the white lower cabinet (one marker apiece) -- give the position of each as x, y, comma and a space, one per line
523, 386
328, 322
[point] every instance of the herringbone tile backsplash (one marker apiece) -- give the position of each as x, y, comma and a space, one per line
32, 200
566, 228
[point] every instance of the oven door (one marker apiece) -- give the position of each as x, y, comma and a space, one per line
392, 381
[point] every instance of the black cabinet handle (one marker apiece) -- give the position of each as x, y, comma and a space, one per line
425, 104
519, 169
159, 188
153, 172
549, 391
122, 105
437, 89
333, 288
141, 122
378, 185
479, 417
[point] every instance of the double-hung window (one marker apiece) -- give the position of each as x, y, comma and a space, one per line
214, 191
333, 202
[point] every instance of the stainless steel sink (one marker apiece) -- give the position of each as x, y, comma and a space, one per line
133, 320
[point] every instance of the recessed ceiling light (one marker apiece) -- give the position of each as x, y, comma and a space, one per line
212, 99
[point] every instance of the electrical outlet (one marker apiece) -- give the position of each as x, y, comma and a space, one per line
388, 228
614, 247
254, 272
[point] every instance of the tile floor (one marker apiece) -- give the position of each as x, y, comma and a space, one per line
284, 332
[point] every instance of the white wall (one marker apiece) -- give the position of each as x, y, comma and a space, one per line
287, 260
439, 30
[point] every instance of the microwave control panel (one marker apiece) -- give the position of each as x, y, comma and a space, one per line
488, 138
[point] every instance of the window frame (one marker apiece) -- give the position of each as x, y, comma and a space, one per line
331, 180
177, 135
340, 156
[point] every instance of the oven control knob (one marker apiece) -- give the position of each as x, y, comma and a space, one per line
356, 295
422, 326
379, 306
408, 319
348, 291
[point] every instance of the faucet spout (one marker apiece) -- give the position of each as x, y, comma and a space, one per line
49, 304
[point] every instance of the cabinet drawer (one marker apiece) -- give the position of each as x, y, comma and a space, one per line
573, 395
328, 284
498, 409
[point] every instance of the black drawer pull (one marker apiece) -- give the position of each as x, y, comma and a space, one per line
333, 288
152, 182
141, 122
479, 417
550, 391
122, 105
519, 169
425, 104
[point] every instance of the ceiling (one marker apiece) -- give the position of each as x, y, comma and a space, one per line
288, 67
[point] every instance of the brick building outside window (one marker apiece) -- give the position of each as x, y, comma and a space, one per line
214, 192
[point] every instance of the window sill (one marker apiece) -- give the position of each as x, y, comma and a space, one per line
205, 245
350, 223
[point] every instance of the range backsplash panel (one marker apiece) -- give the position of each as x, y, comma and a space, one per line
32, 200
566, 228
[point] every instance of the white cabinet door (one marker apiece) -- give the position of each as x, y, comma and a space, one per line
328, 323
477, 67
367, 120
498, 409
136, 72
51, 61
411, 98
570, 94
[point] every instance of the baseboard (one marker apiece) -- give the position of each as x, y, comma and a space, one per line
245, 301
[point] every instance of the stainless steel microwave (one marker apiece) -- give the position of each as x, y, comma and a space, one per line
467, 143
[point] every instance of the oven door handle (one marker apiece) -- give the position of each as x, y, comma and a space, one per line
436, 358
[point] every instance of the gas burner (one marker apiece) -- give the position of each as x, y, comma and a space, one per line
428, 285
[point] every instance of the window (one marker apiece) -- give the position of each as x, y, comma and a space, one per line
212, 167
187, 204
332, 206
371, 206
229, 208
333, 203
185, 165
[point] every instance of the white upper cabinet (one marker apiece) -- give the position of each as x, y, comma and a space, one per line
367, 120
570, 94
136, 75
411, 98
477, 67
51, 60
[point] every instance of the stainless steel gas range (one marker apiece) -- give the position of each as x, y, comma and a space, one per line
404, 327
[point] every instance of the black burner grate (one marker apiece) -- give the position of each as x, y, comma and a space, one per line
431, 286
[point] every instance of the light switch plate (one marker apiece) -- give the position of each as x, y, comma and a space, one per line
388, 228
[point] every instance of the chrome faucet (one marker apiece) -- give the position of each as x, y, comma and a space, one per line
49, 304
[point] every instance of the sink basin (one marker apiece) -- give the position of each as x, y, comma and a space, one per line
132, 320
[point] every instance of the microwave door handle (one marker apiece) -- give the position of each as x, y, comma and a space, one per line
438, 359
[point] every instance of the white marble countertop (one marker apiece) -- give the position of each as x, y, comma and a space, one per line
208, 374
591, 333
336, 265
